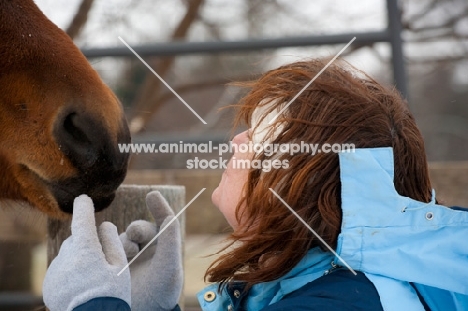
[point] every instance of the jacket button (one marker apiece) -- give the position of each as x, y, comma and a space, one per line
236, 293
429, 216
209, 296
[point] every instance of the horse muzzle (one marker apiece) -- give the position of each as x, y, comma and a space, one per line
93, 151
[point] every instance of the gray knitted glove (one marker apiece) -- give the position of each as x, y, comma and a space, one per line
157, 275
87, 264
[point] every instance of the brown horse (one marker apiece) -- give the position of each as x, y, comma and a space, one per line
59, 123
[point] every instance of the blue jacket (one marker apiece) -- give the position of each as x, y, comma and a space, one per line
332, 288
414, 253
104, 304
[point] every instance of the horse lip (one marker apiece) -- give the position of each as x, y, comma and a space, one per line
65, 197
65, 191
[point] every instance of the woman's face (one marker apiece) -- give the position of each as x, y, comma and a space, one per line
231, 187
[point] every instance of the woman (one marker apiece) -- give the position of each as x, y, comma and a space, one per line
326, 231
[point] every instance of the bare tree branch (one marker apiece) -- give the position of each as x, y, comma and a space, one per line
199, 86
449, 23
416, 18
149, 92
80, 19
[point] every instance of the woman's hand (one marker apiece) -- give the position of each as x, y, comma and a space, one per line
157, 275
87, 264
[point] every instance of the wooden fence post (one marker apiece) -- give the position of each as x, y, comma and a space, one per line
129, 205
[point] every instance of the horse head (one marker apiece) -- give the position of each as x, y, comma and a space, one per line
60, 125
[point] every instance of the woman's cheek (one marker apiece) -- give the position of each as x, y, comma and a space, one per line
215, 197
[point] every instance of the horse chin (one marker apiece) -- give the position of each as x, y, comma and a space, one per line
34, 190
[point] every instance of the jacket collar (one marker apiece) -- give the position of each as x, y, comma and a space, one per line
314, 264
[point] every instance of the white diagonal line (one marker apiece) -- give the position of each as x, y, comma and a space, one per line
313, 231
160, 232
310, 82
162, 80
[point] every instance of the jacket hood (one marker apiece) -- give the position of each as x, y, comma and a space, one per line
392, 237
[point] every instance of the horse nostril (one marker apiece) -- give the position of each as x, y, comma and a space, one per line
78, 137
89, 144
72, 126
